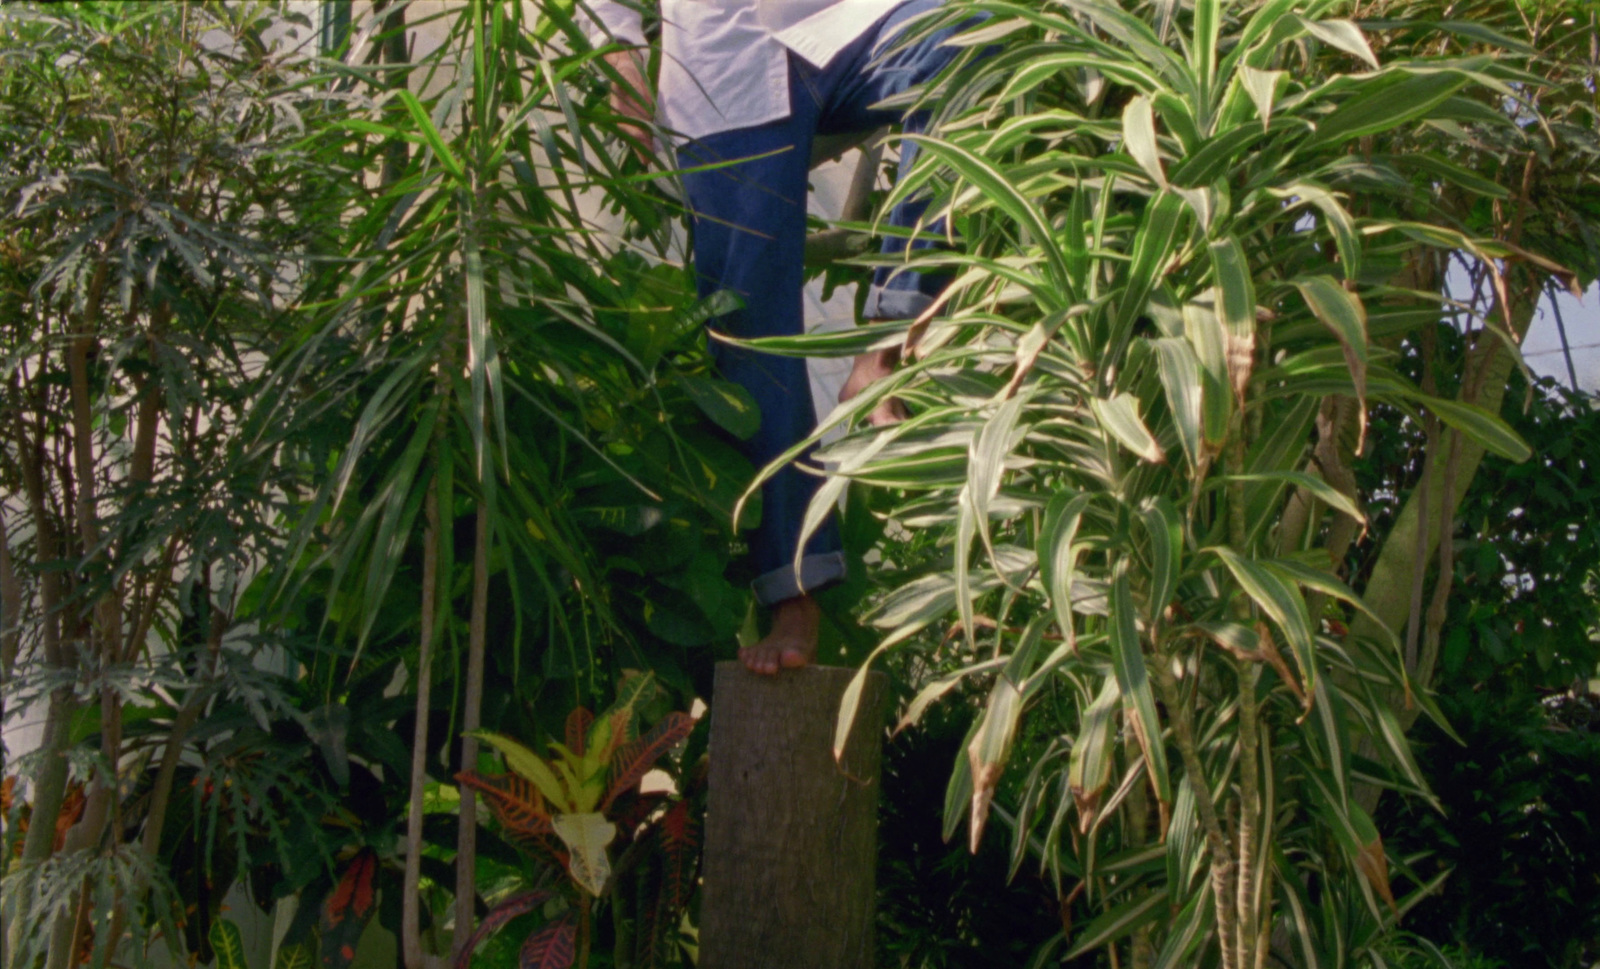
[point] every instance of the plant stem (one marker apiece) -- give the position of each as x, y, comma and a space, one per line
471, 719
1249, 809
1222, 866
410, 912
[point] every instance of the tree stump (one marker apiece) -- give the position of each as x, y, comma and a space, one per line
791, 837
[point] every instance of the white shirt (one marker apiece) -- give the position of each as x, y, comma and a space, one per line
724, 63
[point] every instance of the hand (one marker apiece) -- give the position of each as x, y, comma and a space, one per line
868, 369
631, 97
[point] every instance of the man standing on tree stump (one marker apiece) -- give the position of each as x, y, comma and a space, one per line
759, 80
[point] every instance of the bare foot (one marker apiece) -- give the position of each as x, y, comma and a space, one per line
792, 641
867, 369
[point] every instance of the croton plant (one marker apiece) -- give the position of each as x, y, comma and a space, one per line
579, 807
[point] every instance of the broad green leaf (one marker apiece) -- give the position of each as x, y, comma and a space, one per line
1119, 416
1203, 53
1356, 834
1279, 600
1138, 703
1185, 847
986, 466
830, 343
1235, 637
1138, 37
586, 837
1399, 747
1301, 928
1329, 585
1139, 137
1330, 727
526, 763
728, 405
228, 944
293, 957
1192, 924
618, 724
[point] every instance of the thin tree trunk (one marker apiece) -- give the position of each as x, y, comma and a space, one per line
50, 784
411, 903
471, 719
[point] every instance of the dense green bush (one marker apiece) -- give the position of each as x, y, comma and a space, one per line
1519, 828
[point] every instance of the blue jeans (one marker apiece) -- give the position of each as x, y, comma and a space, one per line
749, 237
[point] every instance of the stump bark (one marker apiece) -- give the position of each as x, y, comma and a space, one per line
791, 837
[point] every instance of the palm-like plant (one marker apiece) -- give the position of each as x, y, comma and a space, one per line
1127, 415
496, 360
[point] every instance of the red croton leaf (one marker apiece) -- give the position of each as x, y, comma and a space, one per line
552, 947
680, 855
634, 759
498, 916
578, 723
348, 910
519, 808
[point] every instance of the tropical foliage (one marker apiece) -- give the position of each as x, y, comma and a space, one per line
577, 809
1185, 260
276, 339
355, 418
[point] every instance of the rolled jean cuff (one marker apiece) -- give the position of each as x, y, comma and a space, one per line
815, 572
885, 303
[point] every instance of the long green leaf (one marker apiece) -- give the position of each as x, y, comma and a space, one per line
1279, 600
1058, 553
1165, 530
1139, 137
1118, 923
997, 189
1385, 104
1089, 764
1133, 681
430, 134
1482, 426
1119, 416
1180, 378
